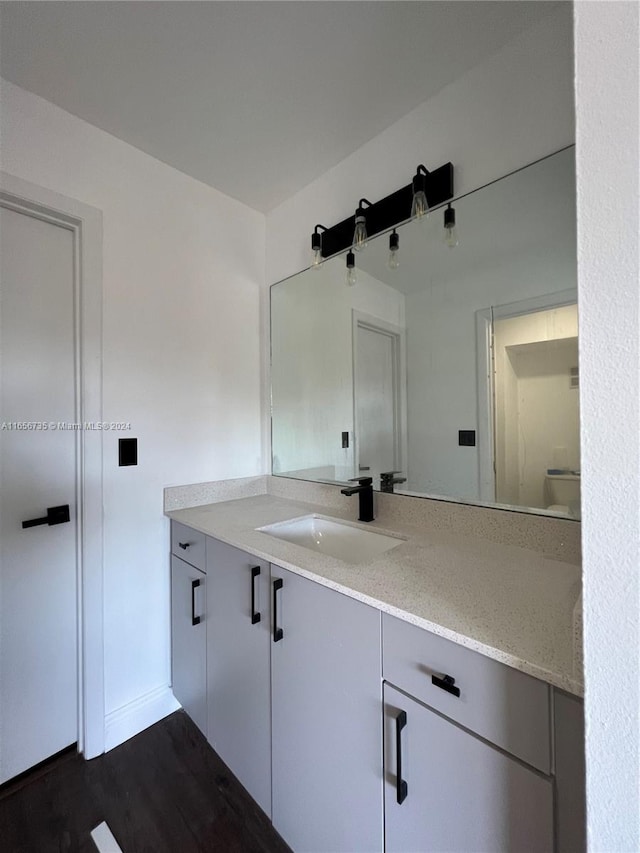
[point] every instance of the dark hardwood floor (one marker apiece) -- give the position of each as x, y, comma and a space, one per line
163, 791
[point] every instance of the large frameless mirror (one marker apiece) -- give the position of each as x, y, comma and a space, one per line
447, 371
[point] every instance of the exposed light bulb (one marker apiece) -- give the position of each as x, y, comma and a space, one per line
451, 238
394, 250
351, 269
419, 207
360, 234
316, 260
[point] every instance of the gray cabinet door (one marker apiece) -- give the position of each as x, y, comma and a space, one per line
461, 793
238, 666
326, 722
188, 640
570, 774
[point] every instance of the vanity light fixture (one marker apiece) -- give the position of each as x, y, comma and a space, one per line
426, 190
419, 205
316, 247
360, 231
450, 231
394, 250
351, 269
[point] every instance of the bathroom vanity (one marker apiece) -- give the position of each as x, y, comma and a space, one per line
426, 698
413, 683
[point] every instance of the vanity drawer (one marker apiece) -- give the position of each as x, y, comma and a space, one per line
188, 544
503, 705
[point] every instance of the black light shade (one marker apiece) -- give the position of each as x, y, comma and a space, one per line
316, 238
316, 247
450, 230
361, 210
418, 183
351, 269
449, 217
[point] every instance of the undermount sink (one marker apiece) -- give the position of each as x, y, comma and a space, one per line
342, 539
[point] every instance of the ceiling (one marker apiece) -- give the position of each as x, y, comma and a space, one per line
256, 99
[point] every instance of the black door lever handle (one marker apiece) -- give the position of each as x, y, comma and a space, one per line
55, 515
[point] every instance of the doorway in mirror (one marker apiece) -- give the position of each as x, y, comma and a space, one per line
379, 377
536, 434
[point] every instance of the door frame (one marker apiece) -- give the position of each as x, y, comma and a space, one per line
486, 371
398, 335
85, 224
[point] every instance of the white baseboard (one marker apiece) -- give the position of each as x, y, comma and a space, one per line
138, 715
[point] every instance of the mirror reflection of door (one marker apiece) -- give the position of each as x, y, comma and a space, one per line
537, 438
377, 400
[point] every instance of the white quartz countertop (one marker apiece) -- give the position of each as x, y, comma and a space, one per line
506, 602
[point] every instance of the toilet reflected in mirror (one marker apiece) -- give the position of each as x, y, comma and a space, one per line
562, 493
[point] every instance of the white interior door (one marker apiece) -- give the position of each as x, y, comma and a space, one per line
38, 611
376, 384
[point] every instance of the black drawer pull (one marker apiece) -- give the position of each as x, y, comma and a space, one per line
401, 786
184, 545
278, 633
195, 620
255, 617
446, 683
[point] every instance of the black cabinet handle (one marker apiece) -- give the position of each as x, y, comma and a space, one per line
446, 683
184, 545
278, 633
55, 515
195, 620
401, 786
255, 617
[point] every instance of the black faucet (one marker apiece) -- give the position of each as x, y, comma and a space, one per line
365, 490
388, 480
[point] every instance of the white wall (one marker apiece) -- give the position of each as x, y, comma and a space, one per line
183, 267
508, 111
606, 47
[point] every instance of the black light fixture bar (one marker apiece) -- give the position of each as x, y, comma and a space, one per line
390, 211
